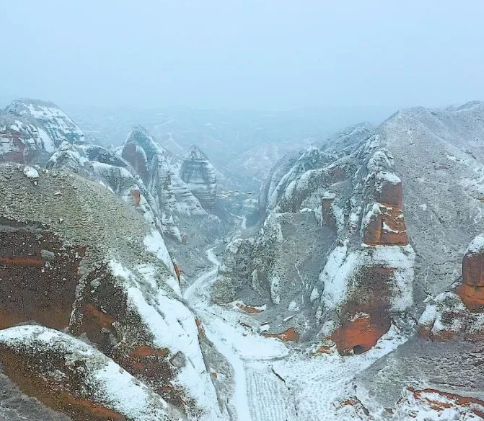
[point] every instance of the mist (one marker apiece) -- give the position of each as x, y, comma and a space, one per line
253, 54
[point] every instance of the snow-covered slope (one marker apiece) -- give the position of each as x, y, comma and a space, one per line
45, 356
93, 267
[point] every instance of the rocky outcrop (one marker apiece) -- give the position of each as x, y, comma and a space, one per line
74, 378
199, 174
471, 291
333, 245
31, 130
80, 260
58, 126
458, 314
159, 172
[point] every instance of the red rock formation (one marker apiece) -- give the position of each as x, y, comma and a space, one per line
137, 158
324, 349
386, 228
386, 225
471, 291
472, 296
248, 309
365, 316
289, 335
389, 193
17, 147
152, 365
59, 394
360, 334
136, 195
450, 399
200, 328
177, 271
33, 288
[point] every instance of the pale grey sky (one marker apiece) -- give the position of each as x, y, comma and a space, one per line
259, 54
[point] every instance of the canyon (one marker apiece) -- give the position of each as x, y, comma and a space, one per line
143, 284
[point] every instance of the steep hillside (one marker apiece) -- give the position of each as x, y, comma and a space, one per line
360, 238
79, 260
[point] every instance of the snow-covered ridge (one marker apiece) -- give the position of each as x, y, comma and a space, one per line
55, 122
104, 382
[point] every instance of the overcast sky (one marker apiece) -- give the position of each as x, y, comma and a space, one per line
259, 54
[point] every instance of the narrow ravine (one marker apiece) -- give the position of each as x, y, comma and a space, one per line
198, 297
307, 388
250, 355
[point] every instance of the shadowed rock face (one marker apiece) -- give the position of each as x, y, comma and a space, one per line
137, 158
199, 174
39, 276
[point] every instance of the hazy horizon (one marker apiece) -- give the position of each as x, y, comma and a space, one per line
258, 55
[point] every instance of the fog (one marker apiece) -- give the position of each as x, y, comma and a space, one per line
251, 54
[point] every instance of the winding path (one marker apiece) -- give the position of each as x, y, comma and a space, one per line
258, 394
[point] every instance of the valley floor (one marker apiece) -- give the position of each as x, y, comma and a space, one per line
274, 382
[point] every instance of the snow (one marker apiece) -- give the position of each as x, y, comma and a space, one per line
155, 244
110, 384
314, 294
339, 266
119, 389
318, 384
402, 260
233, 341
31, 172
432, 407
476, 245
389, 177
275, 282
172, 326
47, 141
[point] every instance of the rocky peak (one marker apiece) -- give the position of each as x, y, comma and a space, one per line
30, 131
199, 174
59, 126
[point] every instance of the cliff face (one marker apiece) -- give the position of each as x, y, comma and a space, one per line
83, 256
82, 262
199, 174
332, 257
158, 170
357, 242
358, 232
435, 372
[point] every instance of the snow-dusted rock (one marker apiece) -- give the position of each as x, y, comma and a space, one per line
334, 240
88, 264
73, 377
199, 174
